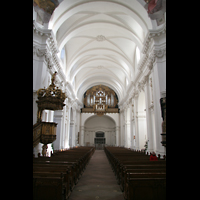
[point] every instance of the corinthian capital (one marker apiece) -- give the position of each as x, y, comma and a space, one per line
160, 53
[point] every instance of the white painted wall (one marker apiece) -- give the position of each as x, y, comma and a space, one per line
90, 124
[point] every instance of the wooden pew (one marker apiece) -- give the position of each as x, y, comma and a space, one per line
145, 189
135, 171
128, 187
50, 188
68, 163
47, 171
72, 166
118, 168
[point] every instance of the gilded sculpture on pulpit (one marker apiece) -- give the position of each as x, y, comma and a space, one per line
53, 78
51, 98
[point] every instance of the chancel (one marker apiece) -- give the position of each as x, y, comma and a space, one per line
99, 97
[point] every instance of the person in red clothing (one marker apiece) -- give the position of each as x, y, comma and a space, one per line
153, 156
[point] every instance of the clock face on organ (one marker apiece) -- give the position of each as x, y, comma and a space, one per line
100, 99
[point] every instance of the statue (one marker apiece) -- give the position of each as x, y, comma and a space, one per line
53, 78
44, 150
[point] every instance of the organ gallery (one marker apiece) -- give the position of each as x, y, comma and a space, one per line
100, 99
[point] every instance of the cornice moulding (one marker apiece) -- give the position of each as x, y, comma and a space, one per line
40, 31
51, 58
145, 67
38, 51
51, 50
152, 34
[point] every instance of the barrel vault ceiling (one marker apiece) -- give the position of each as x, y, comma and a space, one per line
99, 40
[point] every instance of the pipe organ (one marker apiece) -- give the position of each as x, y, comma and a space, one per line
100, 99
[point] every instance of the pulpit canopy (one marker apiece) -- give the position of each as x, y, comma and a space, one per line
51, 98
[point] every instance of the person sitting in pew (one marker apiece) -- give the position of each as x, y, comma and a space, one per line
153, 156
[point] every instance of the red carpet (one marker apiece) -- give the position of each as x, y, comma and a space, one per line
98, 181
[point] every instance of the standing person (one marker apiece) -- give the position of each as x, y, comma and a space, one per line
153, 156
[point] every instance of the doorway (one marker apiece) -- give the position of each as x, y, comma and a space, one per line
99, 140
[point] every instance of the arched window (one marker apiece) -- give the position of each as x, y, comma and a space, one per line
62, 54
137, 54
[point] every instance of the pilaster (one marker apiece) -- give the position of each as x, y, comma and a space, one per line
136, 121
82, 136
117, 135
149, 120
58, 118
157, 111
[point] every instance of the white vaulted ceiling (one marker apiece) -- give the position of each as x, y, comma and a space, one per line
100, 40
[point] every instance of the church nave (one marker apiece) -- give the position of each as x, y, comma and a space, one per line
98, 181
99, 82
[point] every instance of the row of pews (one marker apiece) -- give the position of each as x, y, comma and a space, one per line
55, 177
138, 177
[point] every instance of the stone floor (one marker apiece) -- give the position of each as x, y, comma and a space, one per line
98, 181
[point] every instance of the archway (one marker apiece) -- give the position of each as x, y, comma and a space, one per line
99, 140
99, 130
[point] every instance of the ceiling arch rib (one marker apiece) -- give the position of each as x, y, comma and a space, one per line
89, 70
115, 28
103, 63
68, 8
100, 38
88, 46
106, 55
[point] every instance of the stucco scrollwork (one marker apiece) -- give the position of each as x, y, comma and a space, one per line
160, 53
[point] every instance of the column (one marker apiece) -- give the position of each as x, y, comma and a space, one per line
117, 135
157, 110
75, 132
128, 128
136, 121
82, 136
67, 127
125, 128
150, 131
38, 149
58, 118
132, 125
121, 128
50, 117
72, 134
133, 134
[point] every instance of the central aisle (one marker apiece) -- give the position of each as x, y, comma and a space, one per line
98, 181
